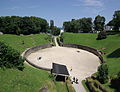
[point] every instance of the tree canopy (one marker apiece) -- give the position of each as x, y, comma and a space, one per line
103, 73
22, 25
51, 24
99, 23
115, 22
80, 25
55, 31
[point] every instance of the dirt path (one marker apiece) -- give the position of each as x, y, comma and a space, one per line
56, 43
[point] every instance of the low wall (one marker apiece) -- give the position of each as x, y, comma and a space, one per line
92, 50
34, 49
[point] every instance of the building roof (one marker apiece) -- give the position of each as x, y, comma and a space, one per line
60, 69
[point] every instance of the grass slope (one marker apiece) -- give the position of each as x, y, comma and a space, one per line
111, 46
31, 79
16, 42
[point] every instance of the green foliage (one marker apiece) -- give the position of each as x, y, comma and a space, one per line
102, 35
69, 86
10, 58
115, 82
115, 21
96, 86
55, 31
20, 43
99, 23
80, 25
103, 73
51, 24
85, 86
30, 79
22, 25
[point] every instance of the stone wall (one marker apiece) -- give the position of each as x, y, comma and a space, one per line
34, 49
92, 50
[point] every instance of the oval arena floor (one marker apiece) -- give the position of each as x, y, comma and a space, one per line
82, 63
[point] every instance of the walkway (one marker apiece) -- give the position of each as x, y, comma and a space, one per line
56, 43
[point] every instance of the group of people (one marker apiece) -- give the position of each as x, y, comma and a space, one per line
75, 80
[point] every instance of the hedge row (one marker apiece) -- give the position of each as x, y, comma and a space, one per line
112, 32
95, 86
69, 86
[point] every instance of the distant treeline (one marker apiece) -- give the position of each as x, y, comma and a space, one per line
22, 25
85, 25
78, 25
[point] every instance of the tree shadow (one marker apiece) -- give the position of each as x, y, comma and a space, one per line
114, 54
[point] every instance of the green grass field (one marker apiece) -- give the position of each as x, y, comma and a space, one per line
30, 79
16, 42
111, 46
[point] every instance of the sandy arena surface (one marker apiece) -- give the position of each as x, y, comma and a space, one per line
82, 63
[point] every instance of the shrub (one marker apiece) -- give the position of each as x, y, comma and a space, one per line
96, 86
102, 35
102, 73
115, 82
10, 58
56, 31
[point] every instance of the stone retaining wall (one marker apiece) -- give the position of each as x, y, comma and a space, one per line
34, 49
92, 50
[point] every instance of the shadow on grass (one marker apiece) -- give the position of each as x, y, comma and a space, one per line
114, 54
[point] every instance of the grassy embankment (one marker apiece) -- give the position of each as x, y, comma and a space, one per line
111, 46
30, 79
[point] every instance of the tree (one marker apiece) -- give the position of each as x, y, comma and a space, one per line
115, 21
115, 82
103, 73
22, 25
67, 26
86, 25
51, 24
99, 23
101, 35
56, 31
83, 25
10, 58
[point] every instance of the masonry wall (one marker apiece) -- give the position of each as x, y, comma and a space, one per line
34, 49
92, 50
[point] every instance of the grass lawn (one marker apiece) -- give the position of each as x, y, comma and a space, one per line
16, 42
30, 79
111, 46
